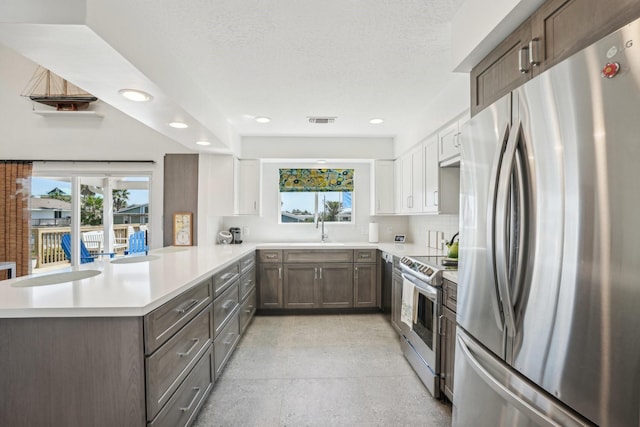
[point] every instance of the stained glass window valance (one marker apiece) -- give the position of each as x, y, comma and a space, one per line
292, 180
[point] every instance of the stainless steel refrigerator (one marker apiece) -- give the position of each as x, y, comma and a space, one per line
549, 276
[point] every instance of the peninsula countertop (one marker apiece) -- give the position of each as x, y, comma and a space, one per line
135, 289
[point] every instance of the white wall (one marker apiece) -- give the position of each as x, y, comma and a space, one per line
28, 136
288, 147
267, 229
439, 111
479, 26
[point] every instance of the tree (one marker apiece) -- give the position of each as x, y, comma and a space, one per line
91, 210
333, 209
120, 199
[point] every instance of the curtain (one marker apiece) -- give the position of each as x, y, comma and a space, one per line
292, 180
15, 189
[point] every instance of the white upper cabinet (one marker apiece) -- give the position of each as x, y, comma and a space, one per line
431, 175
248, 176
411, 179
382, 188
448, 143
229, 186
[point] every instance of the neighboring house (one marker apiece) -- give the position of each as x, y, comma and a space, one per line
47, 212
134, 214
289, 217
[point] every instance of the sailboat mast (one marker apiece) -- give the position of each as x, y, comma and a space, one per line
47, 90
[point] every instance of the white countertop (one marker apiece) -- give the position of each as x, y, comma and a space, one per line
135, 289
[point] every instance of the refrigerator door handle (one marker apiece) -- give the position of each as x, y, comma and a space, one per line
502, 228
533, 413
491, 215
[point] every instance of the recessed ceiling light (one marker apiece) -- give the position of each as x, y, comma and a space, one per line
203, 143
178, 125
322, 162
263, 119
135, 95
376, 121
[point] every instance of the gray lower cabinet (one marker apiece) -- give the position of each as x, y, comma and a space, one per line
154, 370
270, 275
396, 299
226, 342
327, 285
318, 279
335, 285
448, 337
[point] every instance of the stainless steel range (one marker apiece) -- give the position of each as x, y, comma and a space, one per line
421, 312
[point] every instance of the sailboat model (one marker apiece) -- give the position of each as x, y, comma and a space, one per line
50, 89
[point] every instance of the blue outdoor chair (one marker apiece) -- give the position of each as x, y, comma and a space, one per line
137, 243
85, 255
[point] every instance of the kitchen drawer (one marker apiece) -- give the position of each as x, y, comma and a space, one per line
318, 255
450, 294
171, 363
270, 255
247, 310
224, 278
247, 282
247, 262
365, 255
225, 343
163, 322
185, 403
223, 307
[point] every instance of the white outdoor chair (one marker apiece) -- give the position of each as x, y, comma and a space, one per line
93, 240
119, 243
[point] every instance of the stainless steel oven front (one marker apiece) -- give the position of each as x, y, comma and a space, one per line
421, 341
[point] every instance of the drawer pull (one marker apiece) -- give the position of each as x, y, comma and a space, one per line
271, 256
226, 276
229, 339
188, 306
193, 401
228, 304
193, 346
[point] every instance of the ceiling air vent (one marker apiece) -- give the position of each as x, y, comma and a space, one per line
321, 120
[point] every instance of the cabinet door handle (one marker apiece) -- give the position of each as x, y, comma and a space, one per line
523, 60
320, 272
279, 272
315, 272
440, 322
228, 304
435, 198
188, 306
356, 268
255, 205
229, 339
193, 401
193, 346
534, 52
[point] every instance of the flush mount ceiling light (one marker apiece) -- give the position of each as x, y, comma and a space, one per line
135, 95
178, 125
376, 121
322, 162
262, 119
203, 143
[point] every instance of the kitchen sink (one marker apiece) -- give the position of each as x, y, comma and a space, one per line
55, 278
134, 259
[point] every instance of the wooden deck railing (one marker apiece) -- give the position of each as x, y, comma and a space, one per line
46, 248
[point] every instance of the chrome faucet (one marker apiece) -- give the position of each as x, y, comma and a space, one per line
324, 236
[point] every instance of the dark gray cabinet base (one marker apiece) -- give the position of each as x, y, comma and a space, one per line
72, 372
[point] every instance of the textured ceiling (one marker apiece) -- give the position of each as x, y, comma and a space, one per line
218, 64
289, 59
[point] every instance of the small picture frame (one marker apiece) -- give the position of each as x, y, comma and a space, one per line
183, 229
399, 238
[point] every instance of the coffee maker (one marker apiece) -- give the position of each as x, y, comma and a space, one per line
236, 233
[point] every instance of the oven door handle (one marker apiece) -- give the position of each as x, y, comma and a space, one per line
424, 288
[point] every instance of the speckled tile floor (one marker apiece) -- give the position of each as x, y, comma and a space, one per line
321, 370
